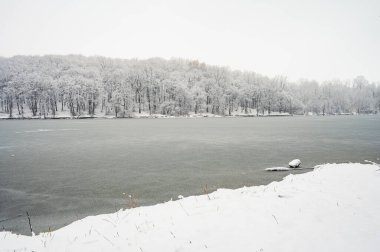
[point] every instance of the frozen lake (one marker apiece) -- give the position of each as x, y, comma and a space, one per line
63, 170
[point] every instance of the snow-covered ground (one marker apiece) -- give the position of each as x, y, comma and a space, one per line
336, 207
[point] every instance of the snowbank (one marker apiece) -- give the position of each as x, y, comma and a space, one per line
336, 207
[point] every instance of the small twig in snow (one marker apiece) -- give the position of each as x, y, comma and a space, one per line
105, 237
114, 225
183, 208
275, 218
30, 224
205, 191
172, 234
137, 228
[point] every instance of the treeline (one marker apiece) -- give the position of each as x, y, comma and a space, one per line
47, 85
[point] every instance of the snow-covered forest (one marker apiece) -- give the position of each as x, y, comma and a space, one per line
78, 85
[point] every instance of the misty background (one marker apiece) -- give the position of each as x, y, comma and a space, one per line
299, 39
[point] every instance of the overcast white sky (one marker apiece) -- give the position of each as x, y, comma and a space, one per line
297, 38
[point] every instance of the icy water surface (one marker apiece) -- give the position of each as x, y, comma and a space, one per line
63, 170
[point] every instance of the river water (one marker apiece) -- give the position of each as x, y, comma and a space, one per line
62, 170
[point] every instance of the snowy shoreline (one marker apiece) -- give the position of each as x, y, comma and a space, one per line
157, 116
333, 208
136, 116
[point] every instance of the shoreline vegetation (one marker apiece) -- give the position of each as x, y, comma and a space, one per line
98, 114
156, 116
4, 116
329, 203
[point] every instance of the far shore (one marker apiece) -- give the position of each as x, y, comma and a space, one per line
160, 116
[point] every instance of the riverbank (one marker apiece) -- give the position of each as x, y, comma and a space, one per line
333, 208
136, 115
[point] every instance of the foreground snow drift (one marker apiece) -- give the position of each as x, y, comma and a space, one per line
334, 208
